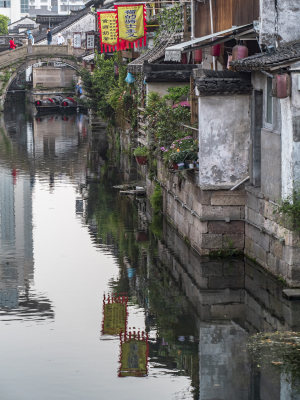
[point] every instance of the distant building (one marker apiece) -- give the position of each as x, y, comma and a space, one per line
54, 7
14, 9
22, 25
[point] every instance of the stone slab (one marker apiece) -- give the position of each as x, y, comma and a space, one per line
291, 294
228, 198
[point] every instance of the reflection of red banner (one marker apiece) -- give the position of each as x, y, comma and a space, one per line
107, 22
134, 354
114, 315
131, 25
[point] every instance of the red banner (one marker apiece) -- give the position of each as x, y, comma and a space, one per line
131, 25
107, 22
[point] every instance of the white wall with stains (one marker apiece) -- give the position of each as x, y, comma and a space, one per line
224, 139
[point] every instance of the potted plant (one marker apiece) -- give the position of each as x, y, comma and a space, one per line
141, 155
177, 159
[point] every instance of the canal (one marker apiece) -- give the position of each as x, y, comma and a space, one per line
98, 303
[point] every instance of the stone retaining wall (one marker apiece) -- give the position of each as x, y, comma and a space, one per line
210, 220
269, 243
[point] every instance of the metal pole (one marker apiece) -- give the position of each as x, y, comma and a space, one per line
212, 29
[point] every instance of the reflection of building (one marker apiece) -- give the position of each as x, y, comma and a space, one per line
16, 249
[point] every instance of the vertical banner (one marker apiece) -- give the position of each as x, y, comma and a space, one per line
131, 25
114, 315
107, 20
90, 41
77, 40
134, 354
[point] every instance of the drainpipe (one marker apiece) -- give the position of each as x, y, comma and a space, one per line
192, 19
212, 29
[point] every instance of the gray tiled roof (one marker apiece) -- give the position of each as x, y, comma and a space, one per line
69, 21
223, 83
283, 55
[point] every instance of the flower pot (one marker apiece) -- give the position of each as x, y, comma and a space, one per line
175, 166
141, 160
141, 236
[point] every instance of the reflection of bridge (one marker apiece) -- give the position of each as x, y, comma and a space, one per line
15, 61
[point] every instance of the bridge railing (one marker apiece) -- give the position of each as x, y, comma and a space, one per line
10, 57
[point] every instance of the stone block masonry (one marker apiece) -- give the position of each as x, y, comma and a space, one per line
209, 220
267, 242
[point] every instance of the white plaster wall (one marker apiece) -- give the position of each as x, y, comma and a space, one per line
162, 87
85, 24
286, 148
224, 140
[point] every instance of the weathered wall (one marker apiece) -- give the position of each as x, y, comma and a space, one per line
274, 247
200, 216
85, 24
224, 138
271, 164
281, 15
50, 77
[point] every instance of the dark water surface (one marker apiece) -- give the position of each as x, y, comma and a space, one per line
95, 303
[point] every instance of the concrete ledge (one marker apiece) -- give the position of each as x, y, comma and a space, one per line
291, 294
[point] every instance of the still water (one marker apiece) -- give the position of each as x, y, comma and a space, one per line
95, 303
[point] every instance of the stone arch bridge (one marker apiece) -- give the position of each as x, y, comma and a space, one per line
14, 62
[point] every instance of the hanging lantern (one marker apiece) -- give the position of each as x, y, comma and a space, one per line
239, 52
281, 87
198, 56
129, 78
216, 50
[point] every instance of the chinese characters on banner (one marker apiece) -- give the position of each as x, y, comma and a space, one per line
77, 40
90, 41
131, 25
108, 30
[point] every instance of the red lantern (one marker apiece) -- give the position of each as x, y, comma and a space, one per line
198, 56
216, 50
239, 52
282, 85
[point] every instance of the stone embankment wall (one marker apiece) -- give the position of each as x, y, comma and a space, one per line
228, 288
267, 242
209, 220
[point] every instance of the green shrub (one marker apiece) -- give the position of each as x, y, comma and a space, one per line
290, 211
156, 199
140, 151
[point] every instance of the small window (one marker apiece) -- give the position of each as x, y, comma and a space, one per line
269, 102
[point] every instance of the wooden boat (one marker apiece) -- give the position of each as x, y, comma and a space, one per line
68, 104
50, 104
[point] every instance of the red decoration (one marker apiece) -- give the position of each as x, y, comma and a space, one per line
125, 40
216, 50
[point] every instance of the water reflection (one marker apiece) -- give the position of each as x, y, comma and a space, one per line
199, 312
30, 146
173, 325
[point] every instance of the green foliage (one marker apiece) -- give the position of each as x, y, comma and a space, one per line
289, 210
170, 19
104, 89
164, 121
177, 92
156, 199
140, 151
3, 24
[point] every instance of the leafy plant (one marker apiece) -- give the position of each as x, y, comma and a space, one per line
290, 211
156, 199
176, 93
140, 151
3, 24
